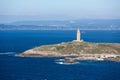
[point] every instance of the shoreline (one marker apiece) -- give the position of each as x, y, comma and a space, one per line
73, 51
69, 60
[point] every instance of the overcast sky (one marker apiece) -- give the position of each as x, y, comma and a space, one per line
59, 9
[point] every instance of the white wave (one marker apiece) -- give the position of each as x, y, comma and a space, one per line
6, 53
64, 62
60, 60
67, 63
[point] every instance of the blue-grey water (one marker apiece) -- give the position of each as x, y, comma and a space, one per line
24, 68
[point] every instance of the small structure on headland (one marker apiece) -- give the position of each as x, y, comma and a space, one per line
78, 36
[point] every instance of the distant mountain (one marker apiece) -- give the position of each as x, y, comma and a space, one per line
42, 23
58, 25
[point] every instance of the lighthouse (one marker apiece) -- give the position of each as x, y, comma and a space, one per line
78, 34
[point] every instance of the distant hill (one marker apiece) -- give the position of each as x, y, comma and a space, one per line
62, 25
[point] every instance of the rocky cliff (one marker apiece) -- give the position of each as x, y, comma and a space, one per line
72, 49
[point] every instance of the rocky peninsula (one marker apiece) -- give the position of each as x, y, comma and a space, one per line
77, 50
73, 51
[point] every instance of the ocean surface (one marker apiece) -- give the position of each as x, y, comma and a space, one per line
25, 68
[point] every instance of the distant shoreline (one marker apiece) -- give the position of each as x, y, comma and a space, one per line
58, 29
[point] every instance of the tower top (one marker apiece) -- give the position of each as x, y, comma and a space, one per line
78, 34
78, 30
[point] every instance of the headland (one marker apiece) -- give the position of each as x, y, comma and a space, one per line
75, 50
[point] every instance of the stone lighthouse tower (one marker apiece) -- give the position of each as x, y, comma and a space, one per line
78, 37
78, 34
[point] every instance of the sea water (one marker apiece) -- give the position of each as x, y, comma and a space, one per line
25, 68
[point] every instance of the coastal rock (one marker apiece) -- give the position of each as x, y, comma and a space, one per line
81, 50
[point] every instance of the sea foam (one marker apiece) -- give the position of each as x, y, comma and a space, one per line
7, 53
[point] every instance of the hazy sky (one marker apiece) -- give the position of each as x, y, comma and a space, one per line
59, 9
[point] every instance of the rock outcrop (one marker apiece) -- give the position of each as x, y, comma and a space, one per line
72, 49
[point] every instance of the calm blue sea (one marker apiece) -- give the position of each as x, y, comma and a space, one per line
21, 68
